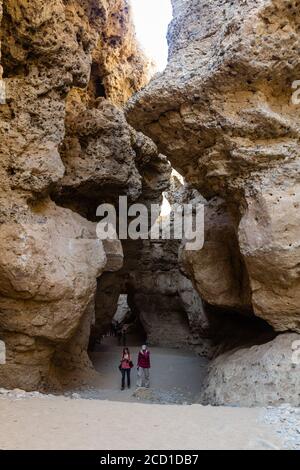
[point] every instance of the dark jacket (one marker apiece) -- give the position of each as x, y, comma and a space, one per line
144, 360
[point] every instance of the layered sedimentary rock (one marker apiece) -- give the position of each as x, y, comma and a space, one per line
50, 257
223, 113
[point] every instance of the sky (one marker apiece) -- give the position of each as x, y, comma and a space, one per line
151, 18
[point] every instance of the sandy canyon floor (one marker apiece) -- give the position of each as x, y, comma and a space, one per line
163, 417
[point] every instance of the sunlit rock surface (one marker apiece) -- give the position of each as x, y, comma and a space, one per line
58, 59
223, 114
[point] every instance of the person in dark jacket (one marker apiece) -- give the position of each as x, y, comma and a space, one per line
144, 368
125, 367
119, 333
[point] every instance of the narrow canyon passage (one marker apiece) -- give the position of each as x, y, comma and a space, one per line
95, 140
85, 123
177, 373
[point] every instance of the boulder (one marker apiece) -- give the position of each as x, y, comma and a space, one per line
258, 376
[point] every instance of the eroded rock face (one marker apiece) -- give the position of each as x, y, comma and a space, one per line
222, 112
156, 282
119, 67
48, 270
257, 376
160, 297
217, 271
97, 152
168, 306
50, 257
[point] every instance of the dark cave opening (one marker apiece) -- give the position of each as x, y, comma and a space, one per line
96, 83
122, 328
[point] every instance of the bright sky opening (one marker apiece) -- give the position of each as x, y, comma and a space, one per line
151, 18
166, 208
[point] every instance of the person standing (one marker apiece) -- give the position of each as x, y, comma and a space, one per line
119, 333
144, 368
124, 335
125, 367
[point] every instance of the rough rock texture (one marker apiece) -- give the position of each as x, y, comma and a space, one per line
163, 300
123, 309
104, 157
217, 271
1, 12
258, 376
166, 303
97, 152
50, 258
119, 67
222, 113
156, 295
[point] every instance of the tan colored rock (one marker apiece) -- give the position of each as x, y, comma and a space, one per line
168, 306
217, 271
257, 376
104, 157
223, 114
1, 12
48, 271
50, 258
118, 59
97, 152
269, 242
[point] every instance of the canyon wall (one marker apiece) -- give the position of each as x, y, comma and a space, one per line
258, 376
223, 113
161, 298
63, 148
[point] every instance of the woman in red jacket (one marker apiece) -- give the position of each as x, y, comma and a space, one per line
144, 368
125, 367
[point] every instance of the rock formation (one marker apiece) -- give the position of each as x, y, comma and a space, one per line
223, 113
257, 376
160, 297
62, 144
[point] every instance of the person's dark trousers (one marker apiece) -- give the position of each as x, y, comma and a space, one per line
124, 373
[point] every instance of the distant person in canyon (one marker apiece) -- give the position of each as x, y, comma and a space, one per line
119, 333
144, 368
114, 328
122, 334
125, 367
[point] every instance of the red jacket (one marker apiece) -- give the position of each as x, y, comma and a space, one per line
125, 362
144, 360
